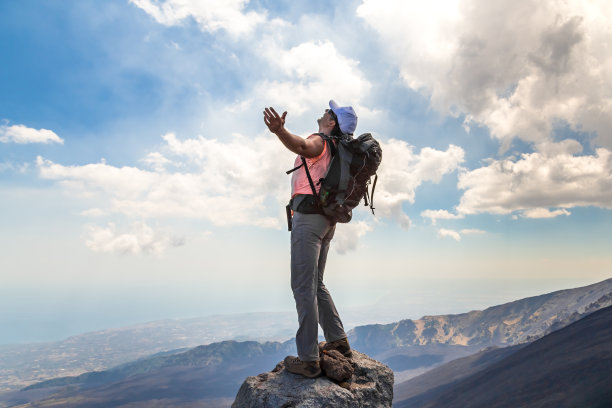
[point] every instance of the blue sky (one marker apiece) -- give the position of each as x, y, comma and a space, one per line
139, 182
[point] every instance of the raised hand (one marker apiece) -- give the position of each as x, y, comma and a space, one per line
273, 120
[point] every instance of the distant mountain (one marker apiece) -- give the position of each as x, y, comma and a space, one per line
508, 324
571, 367
208, 375
22, 365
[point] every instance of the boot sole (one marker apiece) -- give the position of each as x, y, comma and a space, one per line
308, 375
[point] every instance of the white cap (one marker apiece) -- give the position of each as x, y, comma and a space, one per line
347, 119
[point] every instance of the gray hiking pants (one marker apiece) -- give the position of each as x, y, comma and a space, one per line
311, 235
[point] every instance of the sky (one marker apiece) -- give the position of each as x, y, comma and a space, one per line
139, 182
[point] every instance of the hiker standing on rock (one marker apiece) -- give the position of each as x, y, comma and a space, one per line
311, 235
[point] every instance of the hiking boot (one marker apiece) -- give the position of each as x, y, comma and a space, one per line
309, 369
341, 346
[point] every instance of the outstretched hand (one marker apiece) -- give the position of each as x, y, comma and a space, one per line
273, 120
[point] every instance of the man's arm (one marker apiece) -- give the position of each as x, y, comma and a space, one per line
305, 147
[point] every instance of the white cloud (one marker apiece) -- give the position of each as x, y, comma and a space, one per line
94, 212
14, 167
22, 135
537, 181
456, 235
447, 233
435, 215
346, 237
402, 171
211, 15
311, 73
517, 68
156, 161
472, 231
125, 182
140, 239
544, 213
238, 182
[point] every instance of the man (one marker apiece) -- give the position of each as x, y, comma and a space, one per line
311, 234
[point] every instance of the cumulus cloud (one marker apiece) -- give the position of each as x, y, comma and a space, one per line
537, 181
516, 68
140, 239
22, 134
346, 237
435, 215
232, 182
309, 72
227, 183
448, 233
211, 15
402, 171
521, 70
544, 213
156, 161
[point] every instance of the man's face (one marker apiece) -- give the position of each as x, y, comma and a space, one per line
327, 118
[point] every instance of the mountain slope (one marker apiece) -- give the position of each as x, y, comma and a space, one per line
412, 393
203, 374
571, 367
511, 323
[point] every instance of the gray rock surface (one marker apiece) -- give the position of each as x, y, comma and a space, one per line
370, 386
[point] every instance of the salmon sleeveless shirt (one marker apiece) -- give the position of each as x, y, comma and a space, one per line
317, 166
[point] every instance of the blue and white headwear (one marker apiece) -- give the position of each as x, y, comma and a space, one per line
347, 119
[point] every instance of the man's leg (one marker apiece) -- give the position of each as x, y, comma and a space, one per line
307, 235
328, 315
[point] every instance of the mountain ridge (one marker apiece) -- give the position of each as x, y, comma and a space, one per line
570, 367
511, 323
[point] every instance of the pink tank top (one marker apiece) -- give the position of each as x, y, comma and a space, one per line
317, 166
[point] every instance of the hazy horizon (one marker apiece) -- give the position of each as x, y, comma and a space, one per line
58, 320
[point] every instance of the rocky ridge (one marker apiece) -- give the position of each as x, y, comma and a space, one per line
512, 323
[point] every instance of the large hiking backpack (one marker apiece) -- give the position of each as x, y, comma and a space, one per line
354, 161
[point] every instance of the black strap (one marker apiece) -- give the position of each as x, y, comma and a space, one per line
329, 140
372, 195
326, 139
289, 216
294, 169
312, 186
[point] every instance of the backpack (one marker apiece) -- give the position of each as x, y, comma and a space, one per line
354, 161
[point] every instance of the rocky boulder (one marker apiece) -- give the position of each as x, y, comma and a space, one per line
370, 386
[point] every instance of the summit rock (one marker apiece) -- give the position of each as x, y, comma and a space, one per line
370, 386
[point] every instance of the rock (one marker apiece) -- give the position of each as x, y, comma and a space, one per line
335, 365
370, 386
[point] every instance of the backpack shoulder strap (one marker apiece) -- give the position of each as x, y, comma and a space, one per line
326, 139
330, 142
312, 186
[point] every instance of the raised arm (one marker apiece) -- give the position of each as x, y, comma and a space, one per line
305, 147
